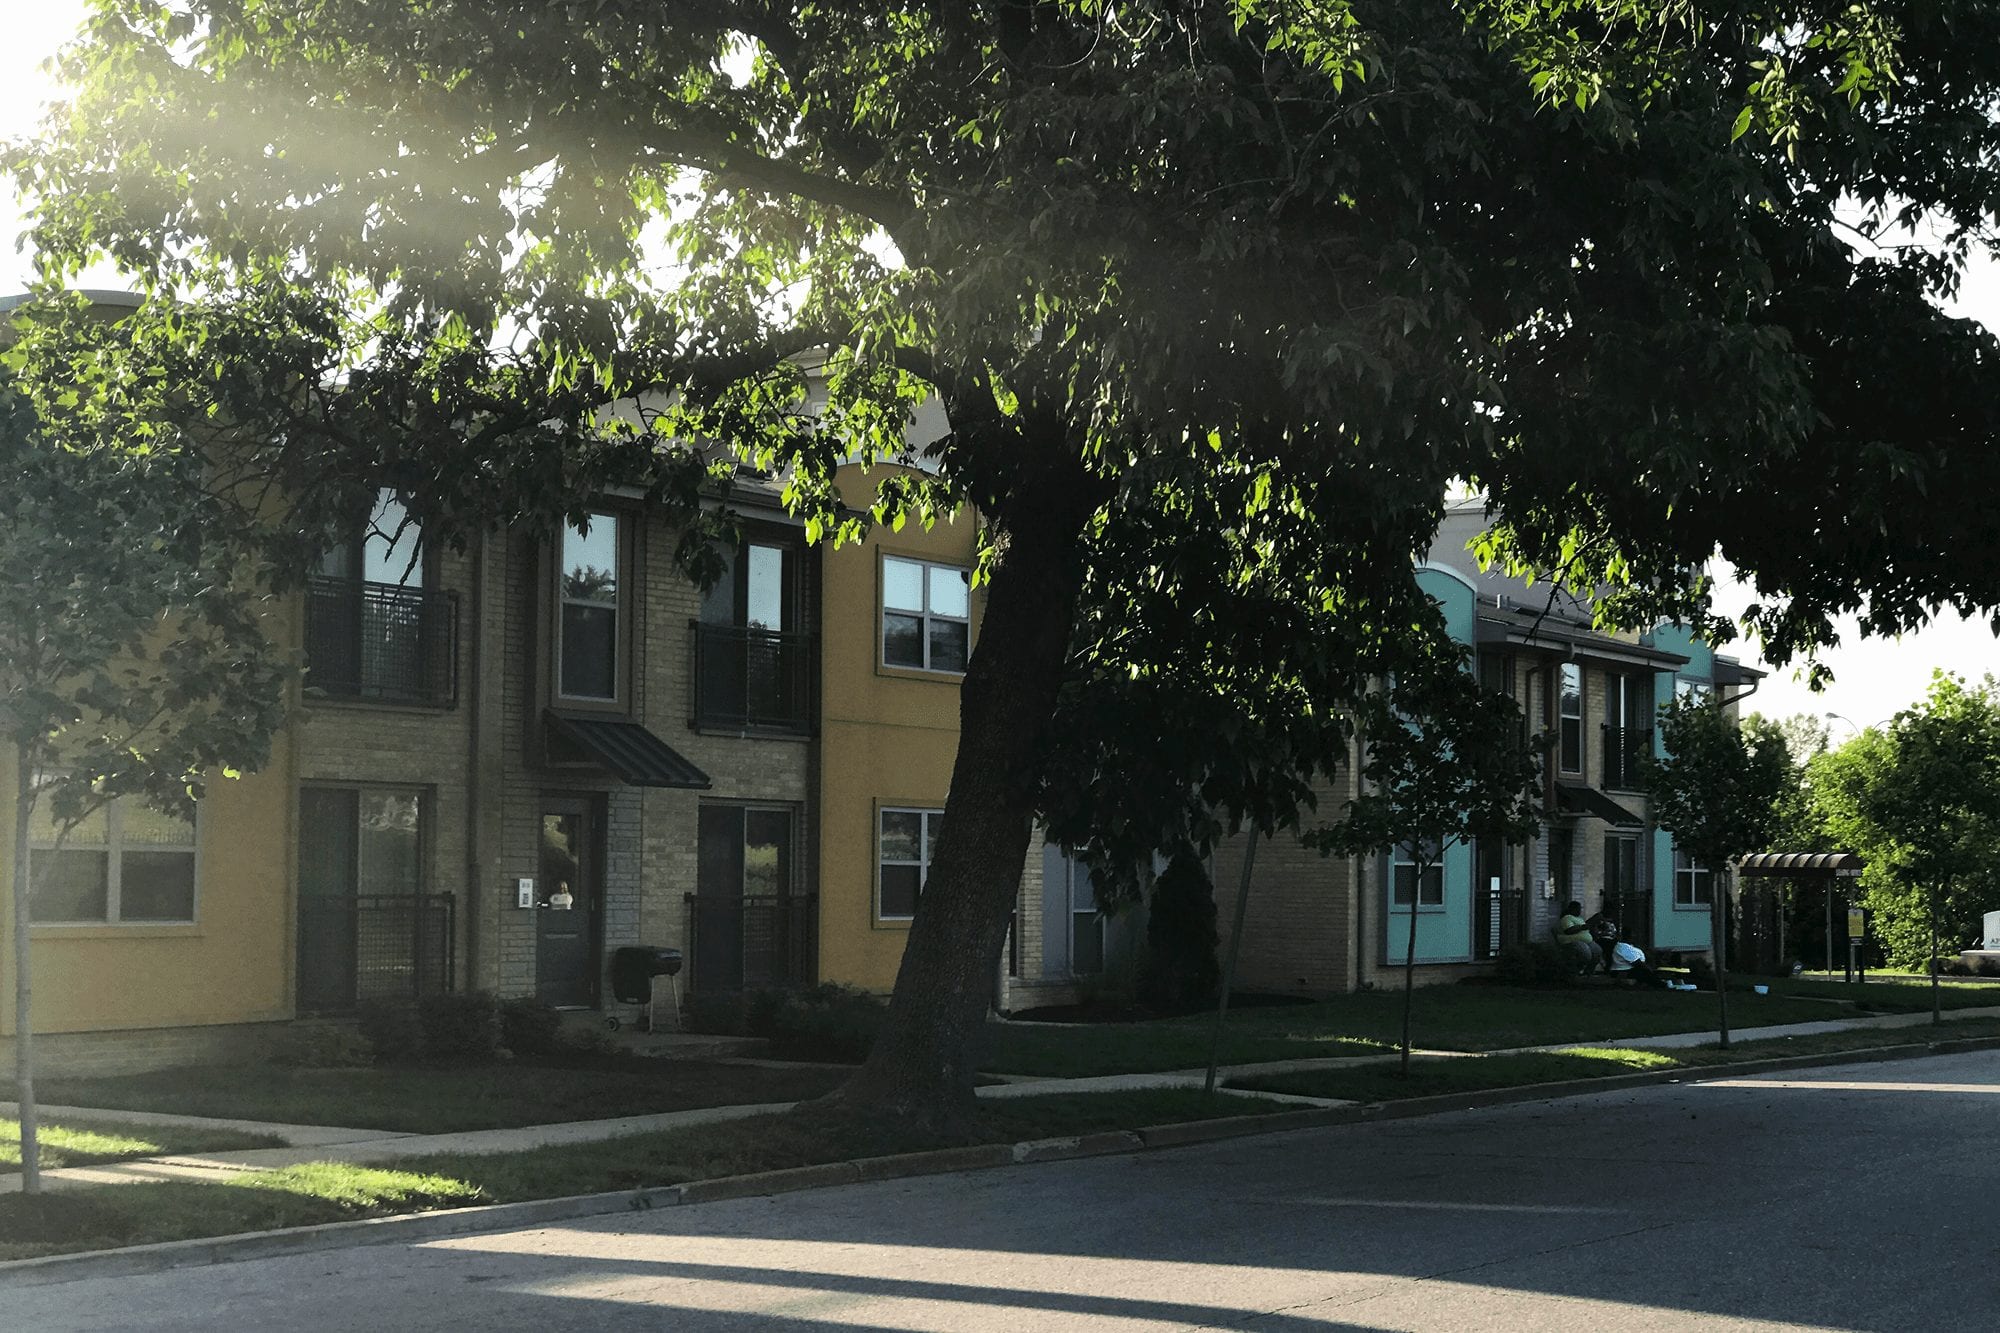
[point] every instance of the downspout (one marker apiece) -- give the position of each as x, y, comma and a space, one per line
1359, 944
1527, 908
475, 830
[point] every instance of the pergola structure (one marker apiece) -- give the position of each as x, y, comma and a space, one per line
1817, 866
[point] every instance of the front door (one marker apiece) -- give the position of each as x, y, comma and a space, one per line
566, 937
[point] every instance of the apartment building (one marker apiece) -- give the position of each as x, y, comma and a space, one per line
1328, 925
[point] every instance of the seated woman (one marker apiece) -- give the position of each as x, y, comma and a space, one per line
1573, 934
1621, 959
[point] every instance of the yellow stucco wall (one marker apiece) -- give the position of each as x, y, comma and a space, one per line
232, 965
888, 736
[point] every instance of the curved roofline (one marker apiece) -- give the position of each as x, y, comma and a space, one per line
95, 295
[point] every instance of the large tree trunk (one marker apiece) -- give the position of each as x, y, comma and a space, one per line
24, 1028
921, 1069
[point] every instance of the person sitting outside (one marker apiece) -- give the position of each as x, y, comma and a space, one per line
1573, 934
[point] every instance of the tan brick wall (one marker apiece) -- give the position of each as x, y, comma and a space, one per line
649, 834
1299, 924
136, 1050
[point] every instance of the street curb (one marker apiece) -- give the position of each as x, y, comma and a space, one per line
164, 1256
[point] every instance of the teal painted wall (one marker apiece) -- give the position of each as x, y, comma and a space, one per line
1675, 928
1454, 597
1444, 935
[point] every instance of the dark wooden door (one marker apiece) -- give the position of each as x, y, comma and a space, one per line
566, 944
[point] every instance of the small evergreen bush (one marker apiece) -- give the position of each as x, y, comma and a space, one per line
391, 1030
532, 1029
459, 1027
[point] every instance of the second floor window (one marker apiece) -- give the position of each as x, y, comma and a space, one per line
1569, 706
388, 551
753, 669
926, 615
587, 586
375, 629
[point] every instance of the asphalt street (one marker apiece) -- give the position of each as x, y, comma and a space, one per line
1855, 1197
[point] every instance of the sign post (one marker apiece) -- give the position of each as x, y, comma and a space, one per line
1857, 929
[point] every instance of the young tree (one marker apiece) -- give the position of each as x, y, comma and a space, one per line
1717, 792
1162, 263
133, 654
1444, 762
1921, 800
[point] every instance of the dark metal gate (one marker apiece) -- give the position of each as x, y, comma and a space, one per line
752, 943
374, 947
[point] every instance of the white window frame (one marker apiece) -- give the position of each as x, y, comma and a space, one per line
1402, 856
1691, 872
616, 604
931, 816
924, 617
1564, 718
114, 848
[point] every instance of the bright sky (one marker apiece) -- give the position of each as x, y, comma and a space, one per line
1872, 678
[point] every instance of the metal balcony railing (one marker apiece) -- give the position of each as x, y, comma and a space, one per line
374, 947
382, 642
1498, 920
751, 679
752, 943
1624, 750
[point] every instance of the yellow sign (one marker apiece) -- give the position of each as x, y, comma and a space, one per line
1857, 923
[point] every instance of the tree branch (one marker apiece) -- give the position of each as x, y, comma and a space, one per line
721, 157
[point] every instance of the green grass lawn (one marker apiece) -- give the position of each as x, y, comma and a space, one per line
442, 1100
1898, 994
1431, 1076
73, 1142
1450, 1018
112, 1215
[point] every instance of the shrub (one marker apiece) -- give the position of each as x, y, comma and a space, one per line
391, 1030
1535, 963
459, 1027
531, 1028
321, 1045
1179, 970
717, 1012
831, 1022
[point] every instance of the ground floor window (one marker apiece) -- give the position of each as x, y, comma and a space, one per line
903, 846
1086, 921
367, 928
1404, 887
123, 862
1694, 883
748, 927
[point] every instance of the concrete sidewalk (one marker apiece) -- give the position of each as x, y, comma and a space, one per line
300, 1136
325, 1143
377, 1146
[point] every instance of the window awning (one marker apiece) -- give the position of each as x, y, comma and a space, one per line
1573, 798
1801, 865
632, 754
